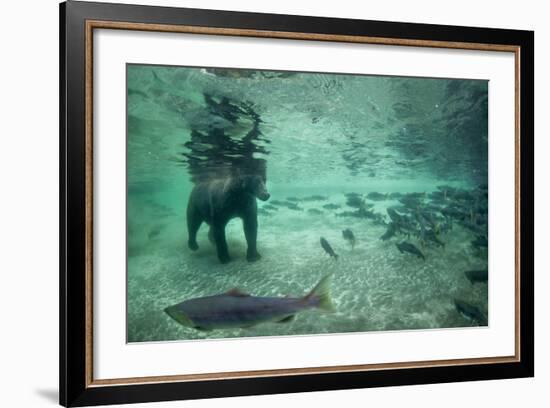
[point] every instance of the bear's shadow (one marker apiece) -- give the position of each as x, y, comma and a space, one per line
207, 251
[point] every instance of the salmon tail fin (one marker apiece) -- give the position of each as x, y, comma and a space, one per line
335, 257
320, 295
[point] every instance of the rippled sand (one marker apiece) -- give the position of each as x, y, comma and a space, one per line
374, 286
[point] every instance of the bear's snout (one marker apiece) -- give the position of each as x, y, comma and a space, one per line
264, 195
261, 190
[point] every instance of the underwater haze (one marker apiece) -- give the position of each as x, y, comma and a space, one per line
390, 171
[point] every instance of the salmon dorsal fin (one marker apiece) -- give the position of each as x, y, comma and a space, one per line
236, 292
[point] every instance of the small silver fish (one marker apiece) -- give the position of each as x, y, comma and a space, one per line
477, 276
410, 248
328, 249
347, 234
235, 309
470, 312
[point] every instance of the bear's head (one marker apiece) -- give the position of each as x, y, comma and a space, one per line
254, 184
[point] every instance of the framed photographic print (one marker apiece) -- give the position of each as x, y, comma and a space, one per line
256, 203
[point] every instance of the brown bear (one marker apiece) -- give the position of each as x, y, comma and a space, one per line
218, 201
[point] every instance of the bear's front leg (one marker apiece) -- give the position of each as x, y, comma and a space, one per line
250, 226
218, 233
194, 221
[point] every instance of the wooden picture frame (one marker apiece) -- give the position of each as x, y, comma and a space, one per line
78, 20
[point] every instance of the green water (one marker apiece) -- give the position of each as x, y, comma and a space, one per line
308, 134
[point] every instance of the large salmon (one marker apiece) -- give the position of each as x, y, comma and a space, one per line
235, 309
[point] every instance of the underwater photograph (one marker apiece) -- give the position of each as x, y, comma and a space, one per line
281, 203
